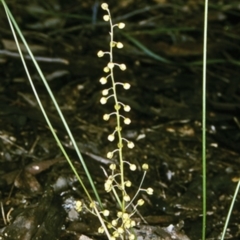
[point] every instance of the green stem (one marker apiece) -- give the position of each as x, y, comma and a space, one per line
120, 142
204, 178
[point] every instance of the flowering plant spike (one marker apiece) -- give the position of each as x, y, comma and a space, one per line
116, 182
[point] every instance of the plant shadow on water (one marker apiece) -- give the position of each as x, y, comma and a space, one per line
36, 185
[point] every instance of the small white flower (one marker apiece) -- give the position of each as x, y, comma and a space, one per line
119, 214
105, 92
150, 191
114, 223
121, 25
92, 205
111, 137
133, 223
105, 213
127, 224
100, 53
125, 216
106, 69
140, 202
133, 167
126, 198
128, 183
131, 237
126, 108
145, 166
109, 155
100, 230
126, 86
122, 67
78, 206
106, 117
103, 80
106, 18
127, 121
115, 235
120, 230
103, 100
104, 6
112, 166
130, 145
110, 65
108, 185
119, 45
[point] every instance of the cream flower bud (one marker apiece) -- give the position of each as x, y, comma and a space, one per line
126, 198
92, 205
104, 6
106, 117
100, 230
105, 92
150, 191
131, 236
127, 224
120, 230
100, 53
119, 45
108, 186
126, 86
115, 235
145, 166
133, 223
119, 214
127, 121
130, 145
103, 100
122, 67
103, 80
133, 167
112, 166
126, 108
121, 25
78, 206
125, 216
110, 65
111, 137
140, 202
128, 183
105, 213
109, 155
106, 69
106, 18
114, 223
